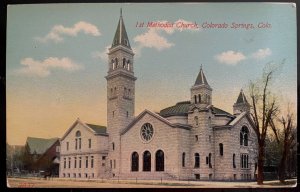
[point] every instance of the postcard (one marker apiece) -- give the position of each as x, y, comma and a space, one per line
134, 95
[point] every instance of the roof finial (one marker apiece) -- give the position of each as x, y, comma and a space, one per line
121, 12
201, 67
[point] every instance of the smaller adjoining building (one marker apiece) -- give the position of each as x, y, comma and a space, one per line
42, 155
84, 151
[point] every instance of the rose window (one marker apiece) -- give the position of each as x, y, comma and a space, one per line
147, 132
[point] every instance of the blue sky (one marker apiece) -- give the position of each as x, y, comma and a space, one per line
56, 59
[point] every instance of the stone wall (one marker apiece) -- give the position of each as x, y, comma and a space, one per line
165, 138
99, 148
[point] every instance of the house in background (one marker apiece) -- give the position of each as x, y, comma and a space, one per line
42, 154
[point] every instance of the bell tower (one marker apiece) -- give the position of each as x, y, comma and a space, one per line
201, 91
200, 118
120, 92
241, 104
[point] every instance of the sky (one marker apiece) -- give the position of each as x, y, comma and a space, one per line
56, 58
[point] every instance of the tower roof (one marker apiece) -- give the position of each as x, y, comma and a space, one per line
241, 98
121, 37
201, 79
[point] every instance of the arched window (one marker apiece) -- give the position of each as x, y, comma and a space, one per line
209, 121
233, 161
135, 161
116, 62
125, 91
209, 160
159, 161
183, 159
113, 146
196, 120
244, 136
199, 98
197, 160
124, 63
195, 97
78, 134
128, 65
147, 161
113, 64
78, 139
221, 148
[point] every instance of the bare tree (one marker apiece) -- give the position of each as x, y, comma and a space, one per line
264, 110
287, 140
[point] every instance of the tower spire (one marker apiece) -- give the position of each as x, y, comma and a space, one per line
241, 104
201, 79
241, 98
121, 37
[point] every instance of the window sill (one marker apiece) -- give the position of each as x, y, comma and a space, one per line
126, 97
111, 98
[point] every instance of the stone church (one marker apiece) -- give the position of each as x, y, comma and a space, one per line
191, 140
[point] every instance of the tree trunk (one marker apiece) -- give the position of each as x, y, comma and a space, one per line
281, 171
260, 164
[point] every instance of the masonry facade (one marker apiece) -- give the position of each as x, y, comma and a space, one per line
191, 140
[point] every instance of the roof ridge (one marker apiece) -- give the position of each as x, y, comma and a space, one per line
95, 124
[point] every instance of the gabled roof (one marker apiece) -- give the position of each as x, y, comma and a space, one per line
95, 129
241, 98
219, 111
39, 145
157, 116
201, 79
121, 37
240, 117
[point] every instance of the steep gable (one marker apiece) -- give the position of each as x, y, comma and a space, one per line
95, 129
39, 145
160, 118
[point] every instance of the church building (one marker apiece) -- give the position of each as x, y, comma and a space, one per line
191, 140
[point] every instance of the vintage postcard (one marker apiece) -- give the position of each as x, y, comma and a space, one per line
199, 95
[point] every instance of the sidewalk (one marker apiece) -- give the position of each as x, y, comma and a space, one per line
71, 183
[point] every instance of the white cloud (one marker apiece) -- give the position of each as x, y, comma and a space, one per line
43, 68
262, 53
152, 39
101, 55
230, 57
58, 30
